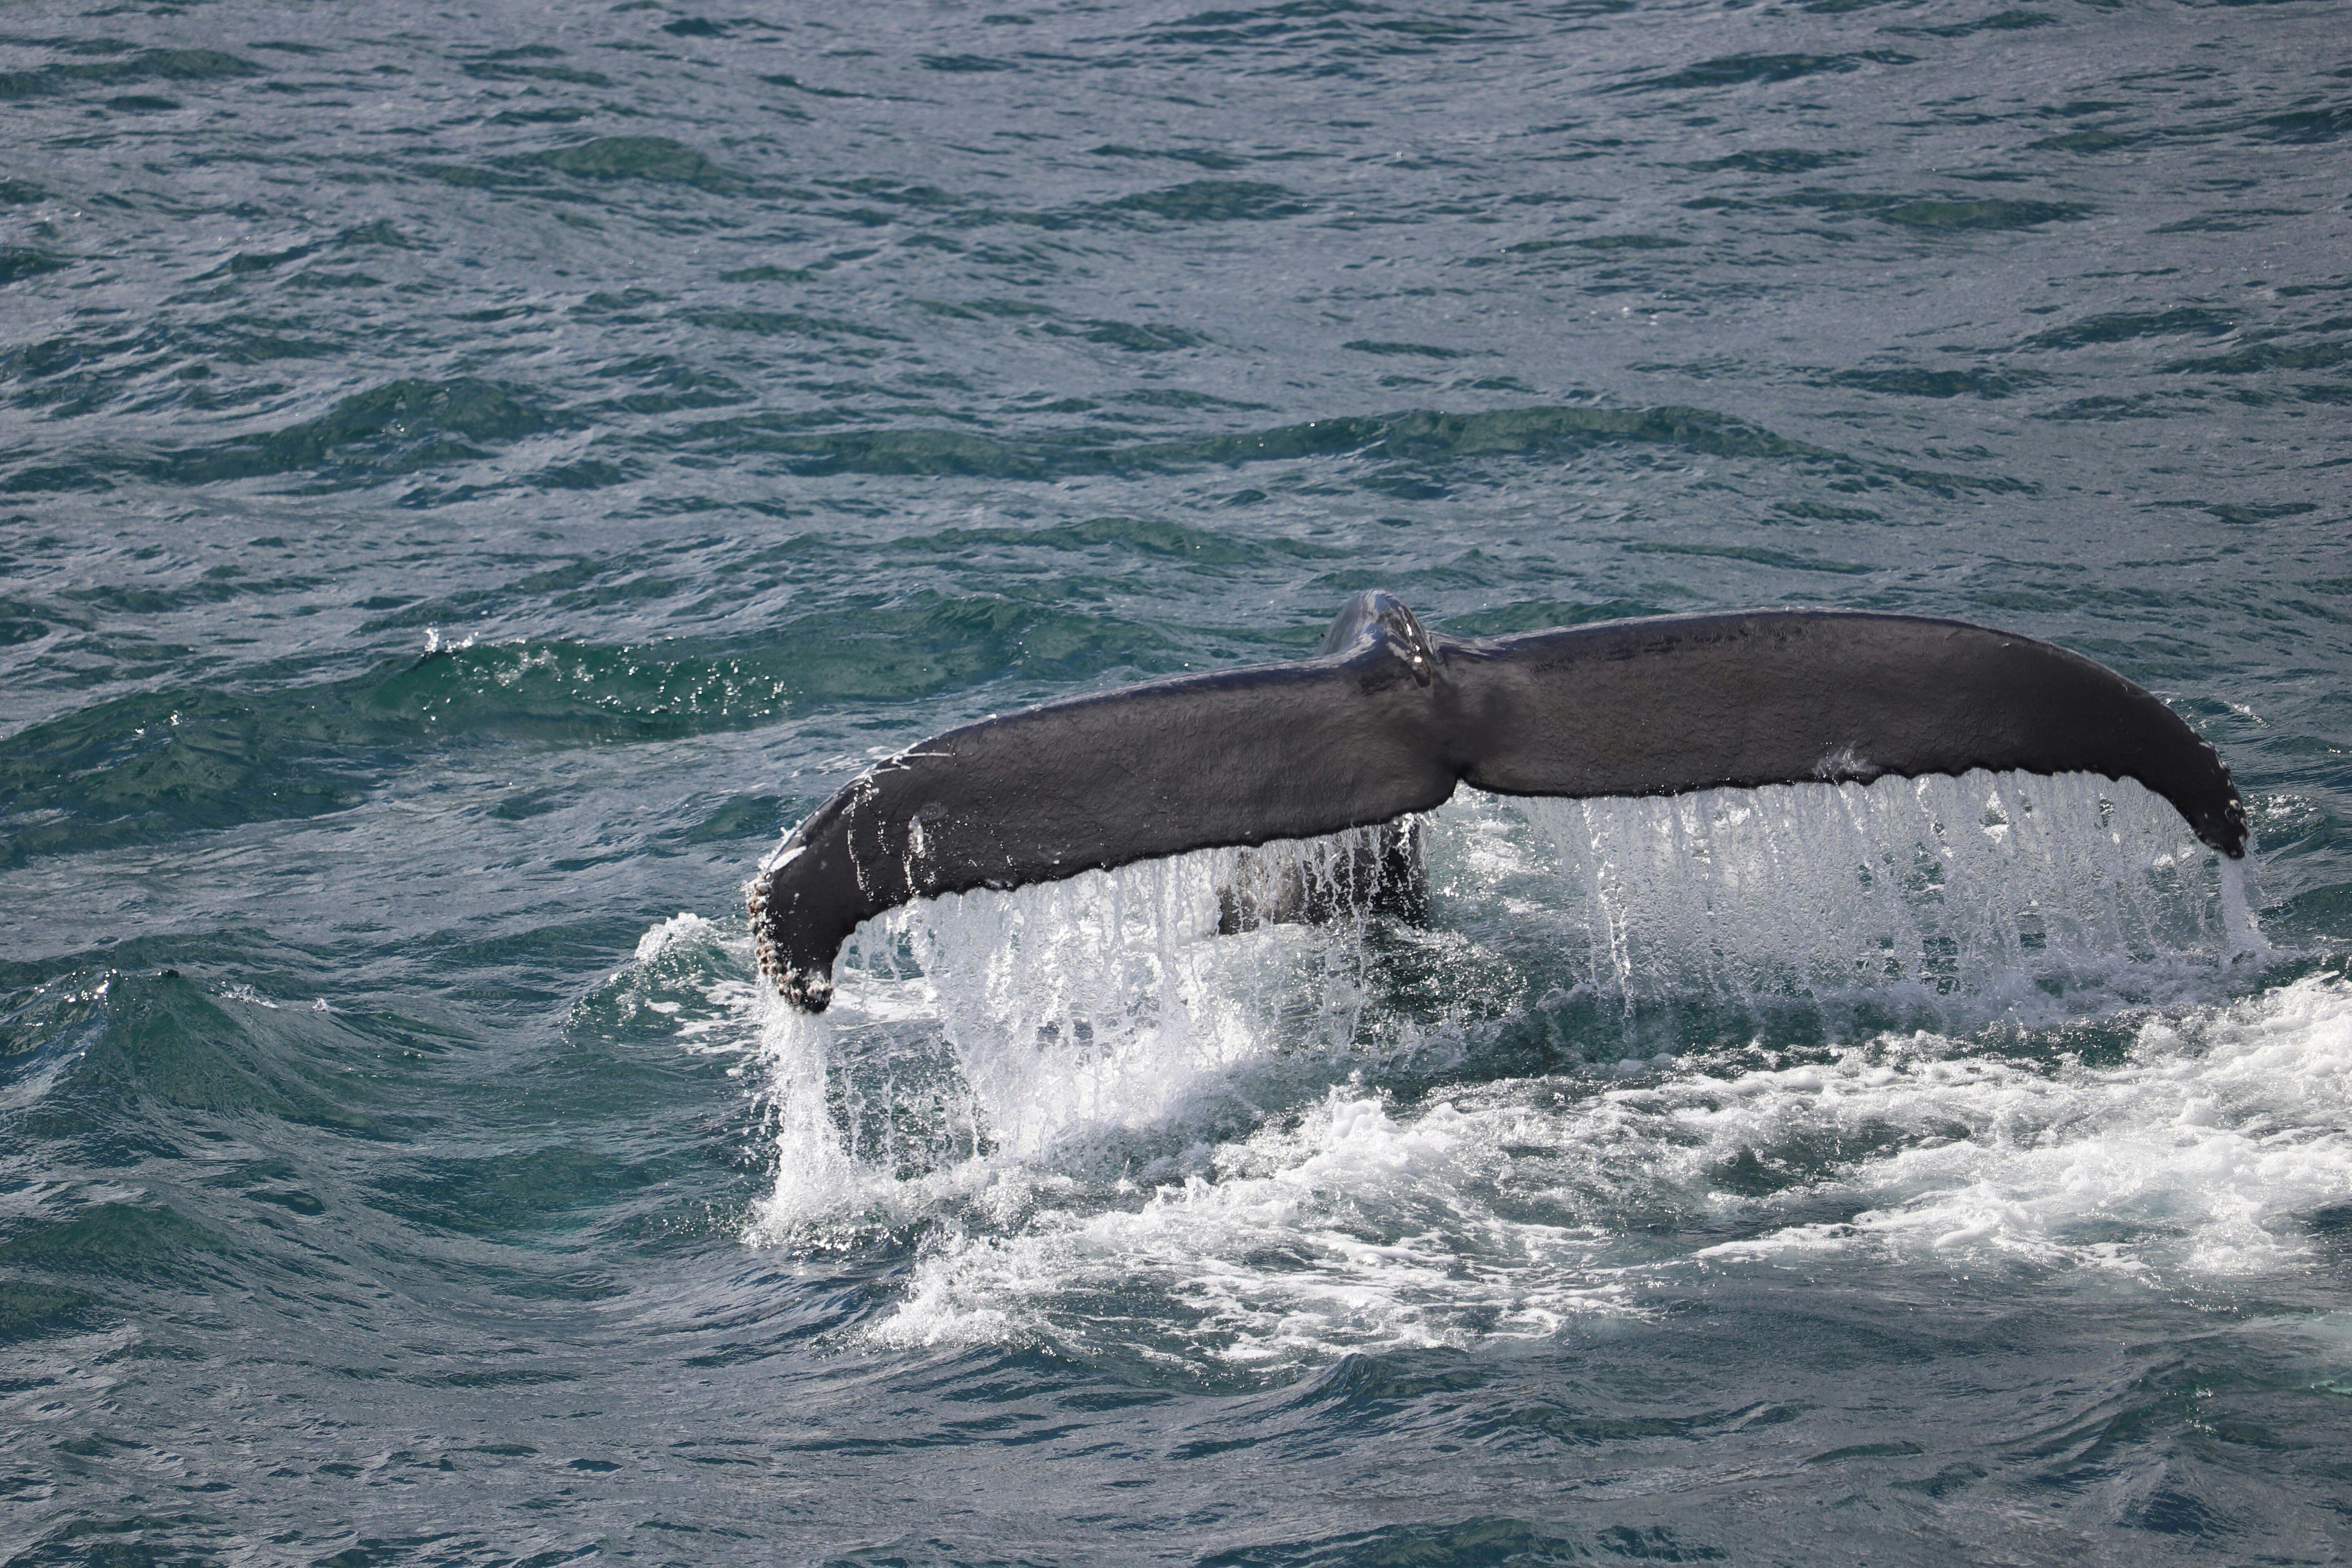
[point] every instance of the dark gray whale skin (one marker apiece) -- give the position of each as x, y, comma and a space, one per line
1387, 720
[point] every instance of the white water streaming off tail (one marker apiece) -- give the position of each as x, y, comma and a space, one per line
1282, 1143
1984, 890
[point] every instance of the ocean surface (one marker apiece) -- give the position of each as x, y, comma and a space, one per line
470, 477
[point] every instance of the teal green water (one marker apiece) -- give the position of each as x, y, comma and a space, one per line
471, 481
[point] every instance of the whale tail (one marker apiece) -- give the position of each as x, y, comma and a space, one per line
1387, 719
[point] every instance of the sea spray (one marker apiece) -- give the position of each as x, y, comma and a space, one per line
1109, 1001
2246, 938
1103, 1024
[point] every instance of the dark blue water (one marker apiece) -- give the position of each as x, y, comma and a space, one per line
471, 481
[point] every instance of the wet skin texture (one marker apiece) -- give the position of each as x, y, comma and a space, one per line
1386, 720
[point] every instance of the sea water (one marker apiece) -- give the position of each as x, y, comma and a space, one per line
473, 479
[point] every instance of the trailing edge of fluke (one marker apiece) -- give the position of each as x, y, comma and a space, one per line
1387, 720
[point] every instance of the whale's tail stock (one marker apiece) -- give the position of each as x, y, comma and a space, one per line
1387, 719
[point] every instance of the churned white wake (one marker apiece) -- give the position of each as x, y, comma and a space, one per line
2199, 1155
1119, 1131
1513, 1208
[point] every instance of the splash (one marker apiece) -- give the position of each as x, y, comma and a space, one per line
818, 1178
1085, 1022
1113, 1026
1513, 1208
1111, 1000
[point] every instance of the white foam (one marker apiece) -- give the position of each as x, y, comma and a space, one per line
1350, 1231
2195, 1156
1116, 1129
1512, 1208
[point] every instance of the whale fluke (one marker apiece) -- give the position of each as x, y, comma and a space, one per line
1386, 720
